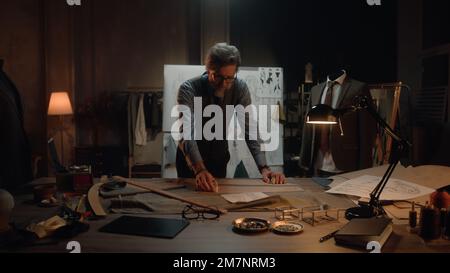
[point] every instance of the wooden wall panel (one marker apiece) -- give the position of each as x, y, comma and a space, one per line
100, 46
215, 24
126, 44
59, 68
21, 49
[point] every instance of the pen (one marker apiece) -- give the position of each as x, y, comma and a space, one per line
327, 237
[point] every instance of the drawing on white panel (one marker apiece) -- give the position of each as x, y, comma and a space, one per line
271, 80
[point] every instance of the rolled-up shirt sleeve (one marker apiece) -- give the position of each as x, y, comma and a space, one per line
189, 146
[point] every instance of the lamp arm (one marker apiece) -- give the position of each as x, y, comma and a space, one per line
374, 115
363, 102
376, 193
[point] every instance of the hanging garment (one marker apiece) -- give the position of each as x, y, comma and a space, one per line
153, 115
15, 155
133, 102
148, 99
156, 117
170, 150
141, 130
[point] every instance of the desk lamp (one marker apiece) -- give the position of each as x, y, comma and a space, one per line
325, 115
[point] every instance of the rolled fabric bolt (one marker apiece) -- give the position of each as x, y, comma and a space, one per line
441, 198
447, 225
6, 201
6, 206
430, 227
413, 216
443, 215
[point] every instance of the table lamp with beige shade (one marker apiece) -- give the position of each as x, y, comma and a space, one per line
60, 106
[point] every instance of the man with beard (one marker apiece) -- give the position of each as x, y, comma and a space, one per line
203, 159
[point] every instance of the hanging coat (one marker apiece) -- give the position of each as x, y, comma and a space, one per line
15, 155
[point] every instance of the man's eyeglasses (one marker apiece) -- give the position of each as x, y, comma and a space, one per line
193, 213
221, 78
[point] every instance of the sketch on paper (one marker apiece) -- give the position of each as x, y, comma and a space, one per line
271, 80
395, 189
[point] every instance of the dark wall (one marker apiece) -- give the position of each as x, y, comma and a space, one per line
329, 34
424, 63
124, 44
89, 50
436, 23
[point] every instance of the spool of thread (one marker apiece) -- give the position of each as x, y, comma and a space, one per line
442, 217
430, 226
413, 216
441, 198
44, 192
447, 225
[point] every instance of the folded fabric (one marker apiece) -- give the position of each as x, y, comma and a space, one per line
47, 228
127, 204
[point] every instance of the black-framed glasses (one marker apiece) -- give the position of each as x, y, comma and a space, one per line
221, 78
191, 212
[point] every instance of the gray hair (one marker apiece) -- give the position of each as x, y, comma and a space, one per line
222, 54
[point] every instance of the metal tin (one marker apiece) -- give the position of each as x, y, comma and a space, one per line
286, 227
251, 225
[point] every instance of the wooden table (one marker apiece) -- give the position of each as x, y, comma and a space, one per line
216, 236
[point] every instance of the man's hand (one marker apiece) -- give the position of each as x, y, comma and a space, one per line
270, 177
206, 182
204, 179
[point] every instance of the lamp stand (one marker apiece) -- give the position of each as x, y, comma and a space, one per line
374, 208
61, 131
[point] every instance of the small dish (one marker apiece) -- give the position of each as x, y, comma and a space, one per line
285, 227
251, 225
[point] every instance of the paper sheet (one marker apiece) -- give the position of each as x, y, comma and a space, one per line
395, 189
244, 197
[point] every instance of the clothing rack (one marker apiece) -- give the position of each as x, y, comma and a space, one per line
389, 85
149, 170
143, 90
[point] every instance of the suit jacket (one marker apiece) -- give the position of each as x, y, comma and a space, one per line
15, 155
351, 152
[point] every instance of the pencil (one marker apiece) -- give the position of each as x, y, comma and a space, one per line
327, 237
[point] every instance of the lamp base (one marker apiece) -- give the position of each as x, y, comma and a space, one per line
363, 211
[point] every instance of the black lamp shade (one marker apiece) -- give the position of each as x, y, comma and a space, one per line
322, 114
